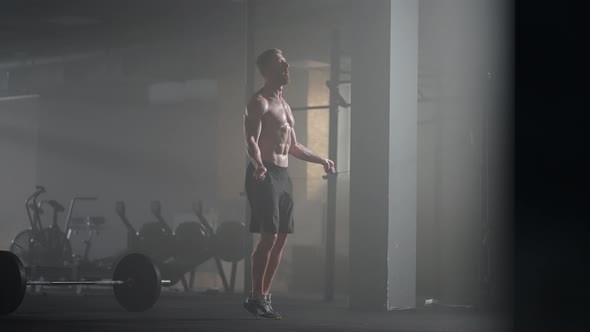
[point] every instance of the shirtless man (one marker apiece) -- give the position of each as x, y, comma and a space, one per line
270, 139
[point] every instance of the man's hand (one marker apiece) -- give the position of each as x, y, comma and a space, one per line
260, 173
329, 166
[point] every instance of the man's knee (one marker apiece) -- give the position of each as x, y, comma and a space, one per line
266, 243
282, 237
279, 243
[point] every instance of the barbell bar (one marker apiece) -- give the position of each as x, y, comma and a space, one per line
86, 283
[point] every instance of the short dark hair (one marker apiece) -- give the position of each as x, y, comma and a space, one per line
265, 57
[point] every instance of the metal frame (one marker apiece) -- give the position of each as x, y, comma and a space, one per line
335, 101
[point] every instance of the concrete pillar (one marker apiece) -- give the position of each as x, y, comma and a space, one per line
383, 155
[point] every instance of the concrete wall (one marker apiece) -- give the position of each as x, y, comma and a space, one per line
383, 156
460, 42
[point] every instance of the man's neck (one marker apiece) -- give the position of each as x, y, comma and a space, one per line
270, 90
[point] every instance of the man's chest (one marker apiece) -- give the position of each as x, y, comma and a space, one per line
278, 115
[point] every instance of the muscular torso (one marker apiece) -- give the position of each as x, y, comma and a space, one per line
275, 137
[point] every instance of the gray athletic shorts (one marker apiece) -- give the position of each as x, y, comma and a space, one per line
271, 200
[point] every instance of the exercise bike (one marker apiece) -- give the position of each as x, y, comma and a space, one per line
47, 246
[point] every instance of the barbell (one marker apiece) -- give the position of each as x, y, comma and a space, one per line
136, 282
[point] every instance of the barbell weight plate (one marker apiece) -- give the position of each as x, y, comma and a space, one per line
142, 285
13, 282
230, 244
155, 241
190, 239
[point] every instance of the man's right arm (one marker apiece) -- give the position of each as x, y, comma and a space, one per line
253, 127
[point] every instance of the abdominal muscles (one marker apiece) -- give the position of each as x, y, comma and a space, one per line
276, 142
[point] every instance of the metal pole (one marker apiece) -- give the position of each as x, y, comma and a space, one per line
95, 283
249, 28
67, 283
438, 192
332, 180
306, 108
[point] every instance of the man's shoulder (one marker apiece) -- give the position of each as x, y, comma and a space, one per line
258, 103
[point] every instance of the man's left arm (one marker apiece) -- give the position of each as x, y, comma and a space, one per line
299, 151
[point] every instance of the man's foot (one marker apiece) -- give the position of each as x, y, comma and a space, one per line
251, 305
268, 300
260, 308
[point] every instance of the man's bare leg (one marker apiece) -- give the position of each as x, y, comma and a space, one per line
260, 258
273, 261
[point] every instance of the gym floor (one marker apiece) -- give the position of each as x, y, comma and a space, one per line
98, 311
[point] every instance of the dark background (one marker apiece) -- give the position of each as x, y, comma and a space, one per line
551, 165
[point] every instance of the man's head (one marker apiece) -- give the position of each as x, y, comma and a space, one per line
273, 66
